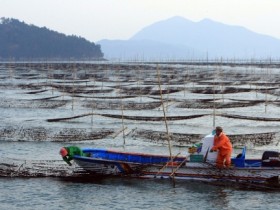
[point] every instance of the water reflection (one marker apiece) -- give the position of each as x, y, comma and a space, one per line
128, 193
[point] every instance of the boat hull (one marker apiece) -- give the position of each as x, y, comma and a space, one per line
179, 169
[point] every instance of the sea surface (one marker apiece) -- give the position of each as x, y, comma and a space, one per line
116, 193
35, 97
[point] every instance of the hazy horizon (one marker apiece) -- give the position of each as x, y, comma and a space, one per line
96, 19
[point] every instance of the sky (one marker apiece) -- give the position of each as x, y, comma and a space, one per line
121, 19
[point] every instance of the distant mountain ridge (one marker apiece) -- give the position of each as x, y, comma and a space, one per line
20, 41
144, 50
197, 40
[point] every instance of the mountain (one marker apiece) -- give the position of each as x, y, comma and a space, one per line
185, 39
20, 41
144, 50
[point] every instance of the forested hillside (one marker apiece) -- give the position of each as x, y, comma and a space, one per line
20, 41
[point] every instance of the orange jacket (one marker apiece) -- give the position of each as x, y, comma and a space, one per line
222, 143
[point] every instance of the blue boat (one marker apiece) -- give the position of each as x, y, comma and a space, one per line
102, 162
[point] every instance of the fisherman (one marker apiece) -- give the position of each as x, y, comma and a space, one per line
67, 153
223, 145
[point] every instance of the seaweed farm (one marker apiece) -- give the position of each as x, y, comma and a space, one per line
130, 106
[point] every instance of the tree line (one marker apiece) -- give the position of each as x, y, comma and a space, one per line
20, 41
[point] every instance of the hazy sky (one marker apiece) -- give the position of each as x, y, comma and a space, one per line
121, 19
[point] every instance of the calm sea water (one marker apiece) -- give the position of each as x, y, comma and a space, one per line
52, 193
22, 113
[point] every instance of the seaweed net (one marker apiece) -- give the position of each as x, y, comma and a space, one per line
38, 168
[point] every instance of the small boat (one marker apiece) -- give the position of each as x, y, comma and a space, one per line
198, 166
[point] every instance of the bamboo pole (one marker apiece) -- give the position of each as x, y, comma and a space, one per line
222, 81
91, 72
51, 77
214, 105
139, 83
117, 133
179, 166
73, 86
266, 90
46, 74
123, 127
10, 68
168, 91
185, 86
167, 164
164, 114
63, 88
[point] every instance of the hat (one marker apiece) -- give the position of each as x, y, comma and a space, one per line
63, 152
218, 128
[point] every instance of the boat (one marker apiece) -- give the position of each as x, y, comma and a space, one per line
198, 166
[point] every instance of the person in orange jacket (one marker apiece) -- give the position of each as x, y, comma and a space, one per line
223, 145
